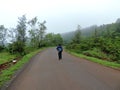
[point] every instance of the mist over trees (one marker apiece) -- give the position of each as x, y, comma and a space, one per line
77, 35
85, 32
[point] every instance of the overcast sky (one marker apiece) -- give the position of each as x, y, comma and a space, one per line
61, 15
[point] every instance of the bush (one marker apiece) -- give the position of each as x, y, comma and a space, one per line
16, 48
1, 48
112, 48
118, 61
84, 46
104, 48
95, 52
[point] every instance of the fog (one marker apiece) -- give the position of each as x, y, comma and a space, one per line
61, 15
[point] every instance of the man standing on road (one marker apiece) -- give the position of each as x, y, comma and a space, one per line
59, 49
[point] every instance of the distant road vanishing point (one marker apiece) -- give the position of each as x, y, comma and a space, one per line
46, 72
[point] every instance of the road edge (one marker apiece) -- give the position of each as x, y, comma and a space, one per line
18, 72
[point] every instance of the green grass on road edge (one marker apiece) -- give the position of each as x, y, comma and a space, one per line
102, 62
6, 57
7, 74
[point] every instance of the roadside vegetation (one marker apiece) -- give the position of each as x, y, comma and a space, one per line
8, 73
19, 44
102, 42
6, 57
96, 60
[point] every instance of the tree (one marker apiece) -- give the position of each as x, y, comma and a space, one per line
37, 32
19, 45
118, 28
33, 22
95, 37
33, 32
52, 39
77, 36
41, 33
12, 32
21, 29
118, 20
3, 33
49, 39
57, 39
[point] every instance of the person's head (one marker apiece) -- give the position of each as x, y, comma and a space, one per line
59, 44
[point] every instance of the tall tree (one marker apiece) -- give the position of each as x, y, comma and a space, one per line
77, 36
21, 35
12, 46
3, 33
57, 39
49, 39
52, 39
41, 33
12, 32
33, 32
21, 29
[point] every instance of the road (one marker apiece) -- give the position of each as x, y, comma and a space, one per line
46, 72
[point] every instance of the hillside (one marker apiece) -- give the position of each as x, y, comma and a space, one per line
89, 31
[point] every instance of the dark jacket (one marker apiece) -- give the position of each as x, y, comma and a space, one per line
59, 48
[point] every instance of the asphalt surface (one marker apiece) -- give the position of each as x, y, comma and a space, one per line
46, 72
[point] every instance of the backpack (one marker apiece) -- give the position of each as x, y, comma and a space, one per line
59, 49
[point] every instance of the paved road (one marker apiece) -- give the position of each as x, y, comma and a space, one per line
46, 72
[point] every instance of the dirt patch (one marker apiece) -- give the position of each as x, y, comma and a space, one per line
8, 64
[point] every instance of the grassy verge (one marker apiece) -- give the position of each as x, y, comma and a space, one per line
102, 62
6, 57
7, 74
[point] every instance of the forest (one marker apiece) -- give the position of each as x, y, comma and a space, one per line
101, 42
26, 37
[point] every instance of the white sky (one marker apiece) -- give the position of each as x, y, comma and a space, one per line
61, 15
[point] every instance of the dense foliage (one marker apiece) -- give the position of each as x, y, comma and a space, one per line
103, 43
27, 36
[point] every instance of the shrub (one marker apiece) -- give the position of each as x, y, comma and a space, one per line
16, 48
96, 52
1, 48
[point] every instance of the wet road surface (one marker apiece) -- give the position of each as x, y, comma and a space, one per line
46, 72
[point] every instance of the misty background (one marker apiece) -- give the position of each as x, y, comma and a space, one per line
61, 15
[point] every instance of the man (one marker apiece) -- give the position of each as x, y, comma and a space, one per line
59, 49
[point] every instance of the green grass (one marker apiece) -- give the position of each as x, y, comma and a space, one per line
102, 62
7, 74
6, 57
